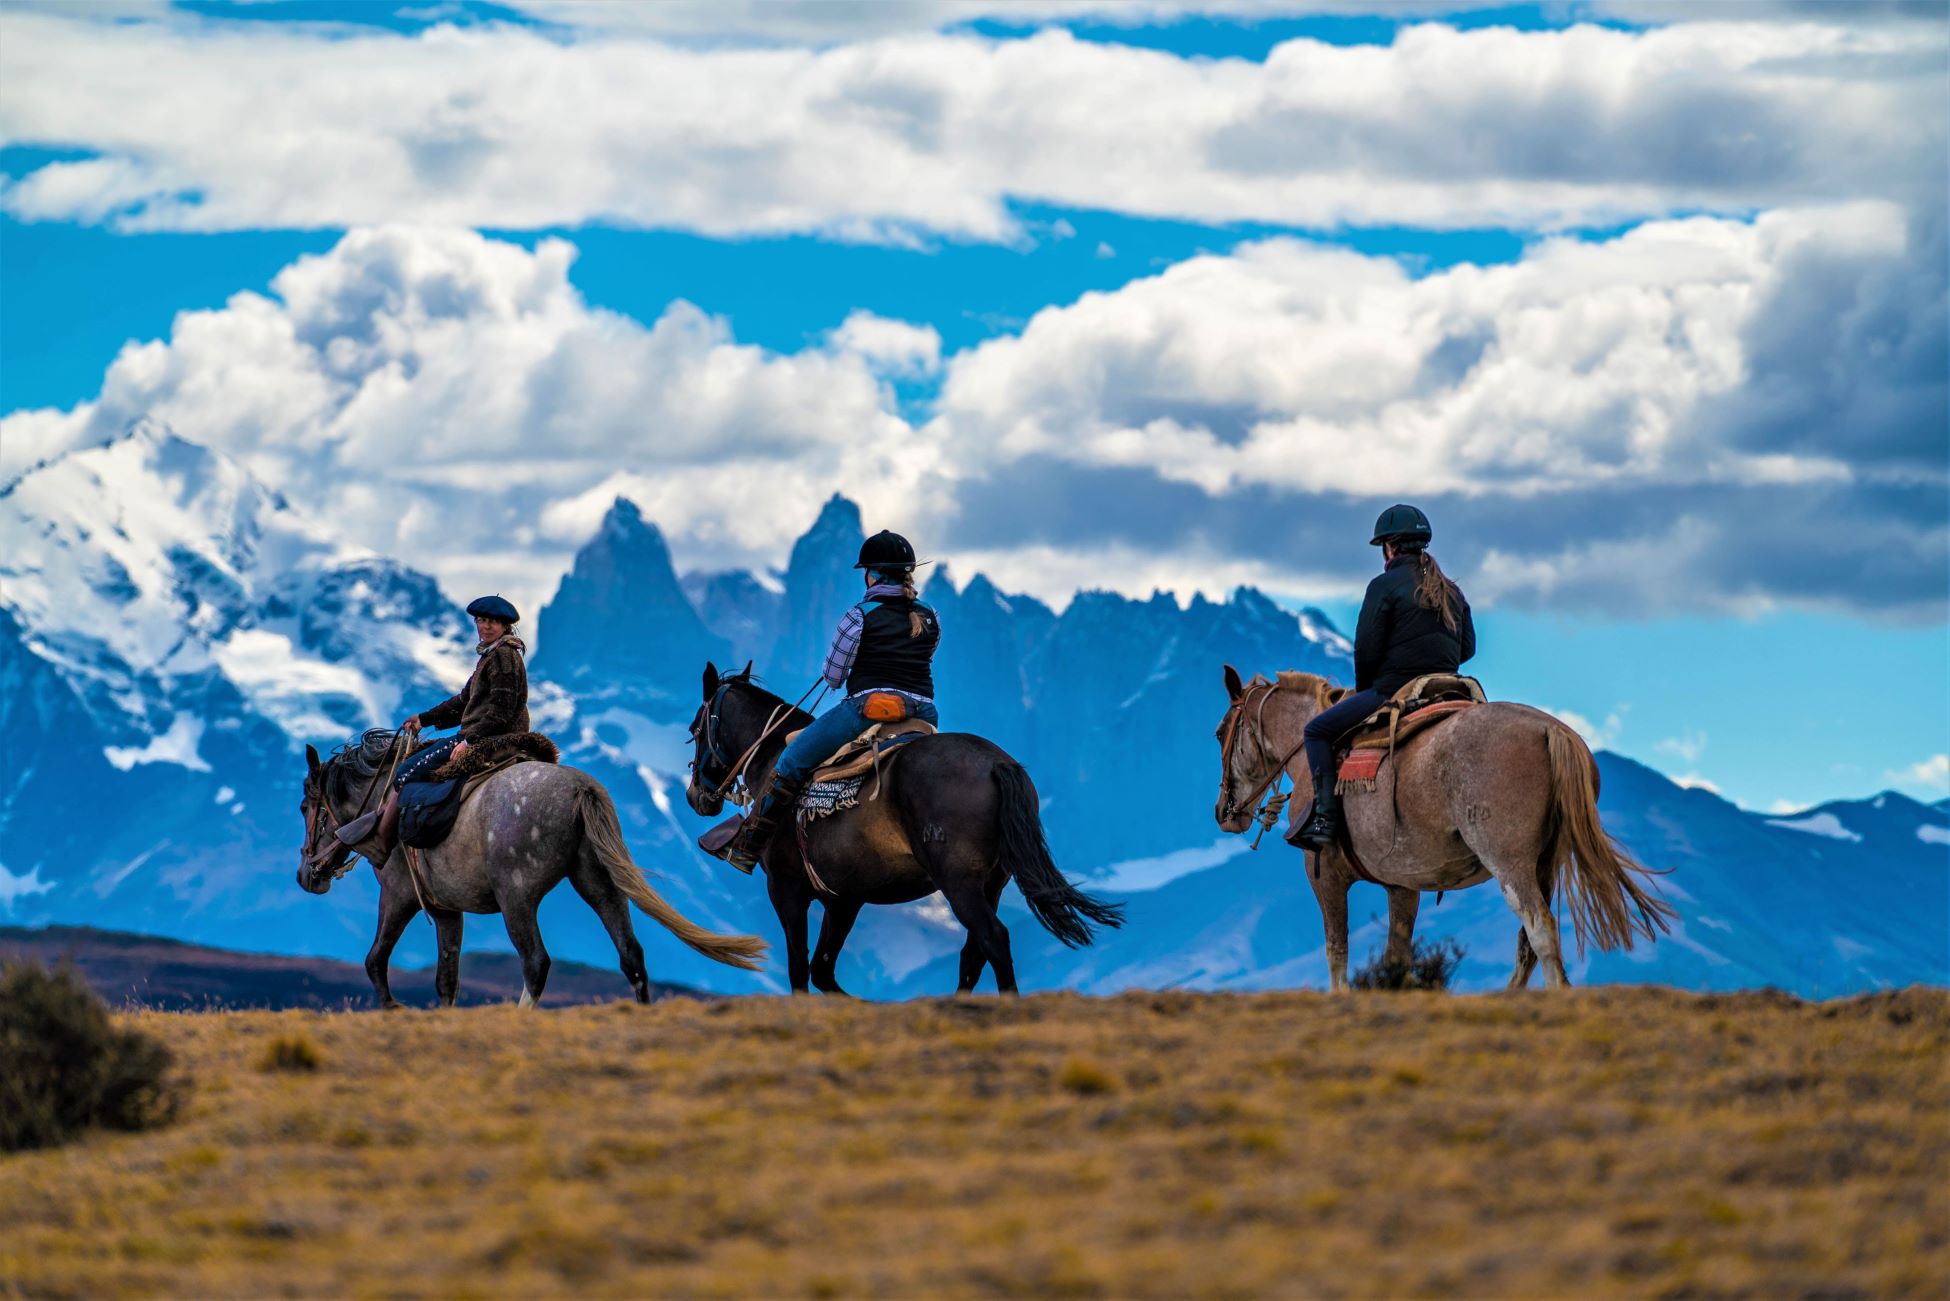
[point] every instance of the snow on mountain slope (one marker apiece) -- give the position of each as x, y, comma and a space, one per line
171, 632
150, 569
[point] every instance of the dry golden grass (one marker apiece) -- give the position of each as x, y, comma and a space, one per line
1633, 1141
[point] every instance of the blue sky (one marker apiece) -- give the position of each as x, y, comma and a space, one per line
1175, 305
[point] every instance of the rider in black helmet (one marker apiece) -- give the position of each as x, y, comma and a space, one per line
883, 651
1413, 621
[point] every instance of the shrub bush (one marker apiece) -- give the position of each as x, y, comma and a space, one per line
1430, 964
291, 1053
66, 1065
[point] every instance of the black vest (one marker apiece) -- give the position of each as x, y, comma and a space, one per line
889, 658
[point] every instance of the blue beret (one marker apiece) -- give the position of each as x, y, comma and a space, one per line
494, 607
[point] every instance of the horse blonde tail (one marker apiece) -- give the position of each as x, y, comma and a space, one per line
1595, 876
605, 837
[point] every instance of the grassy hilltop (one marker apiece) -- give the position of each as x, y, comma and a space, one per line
1614, 1140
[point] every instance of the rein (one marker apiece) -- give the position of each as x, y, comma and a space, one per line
723, 788
1269, 813
324, 814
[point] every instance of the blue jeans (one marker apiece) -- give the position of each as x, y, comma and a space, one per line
1330, 725
423, 765
833, 729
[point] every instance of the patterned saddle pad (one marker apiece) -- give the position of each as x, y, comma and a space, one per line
824, 798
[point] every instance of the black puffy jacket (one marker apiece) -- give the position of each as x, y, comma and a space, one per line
1397, 640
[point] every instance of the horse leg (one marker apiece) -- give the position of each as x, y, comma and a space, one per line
1526, 898
791, 902
446, 974
833, 930
1403, 904
1527, 956
592, 881
985, 929
1330, 892
526, 934
396, 909
972, 957
1526, 961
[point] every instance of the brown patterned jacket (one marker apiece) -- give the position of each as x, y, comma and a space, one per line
495, 700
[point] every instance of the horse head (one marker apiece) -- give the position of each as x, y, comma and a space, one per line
351, 775
1246, 767
321, 859
717, 738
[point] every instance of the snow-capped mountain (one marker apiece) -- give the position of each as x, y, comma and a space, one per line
172, 632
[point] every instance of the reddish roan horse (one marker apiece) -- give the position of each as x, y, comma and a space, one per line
1500, 791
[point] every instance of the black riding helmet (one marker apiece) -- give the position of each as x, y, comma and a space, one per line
887, 550
1402, 523
494, 607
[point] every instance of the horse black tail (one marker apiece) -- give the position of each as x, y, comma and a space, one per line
1024, 852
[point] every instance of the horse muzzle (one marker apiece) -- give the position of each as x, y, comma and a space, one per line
315, 876
703, 803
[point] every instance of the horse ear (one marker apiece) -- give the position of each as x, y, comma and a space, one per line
311, 757
748, 670
710, 680
1233, 685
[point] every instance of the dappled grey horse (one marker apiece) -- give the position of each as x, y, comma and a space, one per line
518, 835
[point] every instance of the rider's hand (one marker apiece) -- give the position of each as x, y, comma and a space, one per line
458, 751
411, 726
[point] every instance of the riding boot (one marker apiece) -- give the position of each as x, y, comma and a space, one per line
756, 831
1323, 825
388, 833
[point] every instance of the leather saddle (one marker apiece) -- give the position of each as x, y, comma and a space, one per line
1418, 706
859, 755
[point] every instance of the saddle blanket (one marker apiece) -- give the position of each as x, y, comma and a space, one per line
824, 798
428, 809
1362, 765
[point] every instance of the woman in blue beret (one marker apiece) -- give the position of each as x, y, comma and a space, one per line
494, 702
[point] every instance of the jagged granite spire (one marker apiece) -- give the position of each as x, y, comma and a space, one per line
820, 582
620, 625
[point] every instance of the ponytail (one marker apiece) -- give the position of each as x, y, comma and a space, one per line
1433, 590
916, 625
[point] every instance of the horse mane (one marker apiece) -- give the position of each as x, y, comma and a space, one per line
359, 759
1324, 692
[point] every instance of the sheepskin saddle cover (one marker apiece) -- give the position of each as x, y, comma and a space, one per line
495, 752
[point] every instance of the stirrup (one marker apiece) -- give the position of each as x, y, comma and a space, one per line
1318, 832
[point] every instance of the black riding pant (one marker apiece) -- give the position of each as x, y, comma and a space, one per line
1329, 726
425, 763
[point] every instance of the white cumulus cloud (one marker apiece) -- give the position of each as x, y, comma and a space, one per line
194, 125
1931, 774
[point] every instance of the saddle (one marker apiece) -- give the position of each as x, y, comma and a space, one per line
428, 809
861, 753
1418, 706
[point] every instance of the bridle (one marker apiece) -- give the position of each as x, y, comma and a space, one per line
323, 818
732, 786
1230, 733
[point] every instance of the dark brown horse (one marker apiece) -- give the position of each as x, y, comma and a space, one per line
953, 813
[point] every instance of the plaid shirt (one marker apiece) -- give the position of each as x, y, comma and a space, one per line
846, 641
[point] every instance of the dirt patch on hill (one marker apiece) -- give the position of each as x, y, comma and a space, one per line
1611, 1141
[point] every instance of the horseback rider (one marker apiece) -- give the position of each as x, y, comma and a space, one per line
494, 702
881, 656
1414, 621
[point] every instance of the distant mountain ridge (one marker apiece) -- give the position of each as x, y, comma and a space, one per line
190, 743
172, 976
